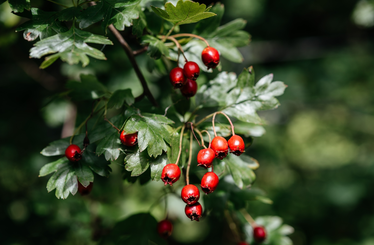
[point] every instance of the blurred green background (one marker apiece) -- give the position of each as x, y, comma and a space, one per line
316, 158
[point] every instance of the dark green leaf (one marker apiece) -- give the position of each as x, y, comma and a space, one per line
70, 46
69, 13
174, 146
58, 147
185, 12
139, 24
152, 132
19, 5
109, 146
84, 175
180, 102
207, 26
119, 97
156, 47
138, 229
52, 167
93, 14
125, 14
241, 172
103, 128
157, 165
98, 164
42, 24
88, 89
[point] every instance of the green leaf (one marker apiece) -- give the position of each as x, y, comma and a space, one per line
139, 24
102, 129
152, 132
207, 26
70, 46
42, 24
241, 172
58, 147
180, 102
118, 13
119, 97
52, 167
19, 5
109, 146
69, 13
266, 90
84, 175
174, 146
88, 89
137, 163
156, 47
98, 164
138, 229
157, 165
185, 12
64, 181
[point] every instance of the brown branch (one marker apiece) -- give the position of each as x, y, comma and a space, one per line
134, 64
140, 51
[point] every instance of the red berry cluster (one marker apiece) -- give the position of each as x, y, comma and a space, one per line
185, 79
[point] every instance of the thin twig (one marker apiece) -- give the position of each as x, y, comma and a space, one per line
248, 217
214, 116
191, 35
178, 46
180, 144
140, 51
201, 137
210, 139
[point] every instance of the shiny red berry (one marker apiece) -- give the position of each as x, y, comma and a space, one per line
177, 78
189, 89
128, 139
84, 190
164, 228
170, 174
205, 158
191, 70
236, 145
73, 153
210, 57
190, 194
194, 211
259, 234
220, 147
209, 182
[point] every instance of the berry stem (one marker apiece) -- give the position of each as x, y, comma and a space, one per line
210, 139
189, 161
106, 119
232, 225
248, 217
178, 46
202, 120
214, 116
201, 136
191, 35
180, 144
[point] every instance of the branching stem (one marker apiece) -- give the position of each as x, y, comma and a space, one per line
210, 139
177, 44
214, 116
201, 136
191, 35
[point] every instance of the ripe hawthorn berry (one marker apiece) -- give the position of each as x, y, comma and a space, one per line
205, 158
190, 194
128, 139
73, 153
177, 78
84, 190
170, 174
189, 89
220, 147
259, 233
164, 228
194, 211
210, 57
236, 145
209, 182
191, 70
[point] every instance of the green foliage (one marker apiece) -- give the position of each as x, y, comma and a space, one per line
156, 47
89, 88
186, 12
19, 5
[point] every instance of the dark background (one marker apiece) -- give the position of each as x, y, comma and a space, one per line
317, 156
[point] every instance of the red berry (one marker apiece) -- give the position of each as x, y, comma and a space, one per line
209, 182
128, 139
73, 153
194, 211
210, 57
259, 234
191, 70
220, 147
189, 89
205, 158
164, 228
236, 145
170, 174
177, 77
243, 243
190, 194
84, 190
